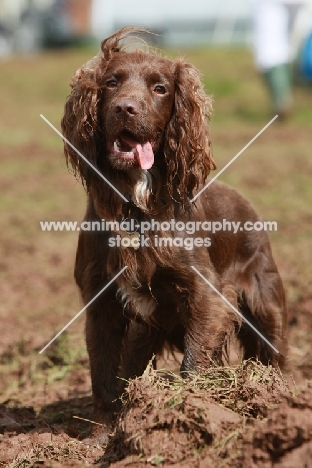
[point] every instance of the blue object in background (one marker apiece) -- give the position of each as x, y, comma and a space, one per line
306, 58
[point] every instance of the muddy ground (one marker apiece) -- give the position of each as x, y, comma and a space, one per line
244, 415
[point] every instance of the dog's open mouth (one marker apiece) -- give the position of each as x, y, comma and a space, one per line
127, 148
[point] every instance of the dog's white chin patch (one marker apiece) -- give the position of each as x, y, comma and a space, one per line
126, 148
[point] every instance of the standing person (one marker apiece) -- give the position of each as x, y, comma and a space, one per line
273, 22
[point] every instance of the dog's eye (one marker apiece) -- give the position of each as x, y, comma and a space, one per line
160, 89
111, 83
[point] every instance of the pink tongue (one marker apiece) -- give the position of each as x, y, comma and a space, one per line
145, 155
144, 152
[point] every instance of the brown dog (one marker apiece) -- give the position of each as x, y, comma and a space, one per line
141, 120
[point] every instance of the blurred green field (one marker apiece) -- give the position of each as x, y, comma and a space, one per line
38, 294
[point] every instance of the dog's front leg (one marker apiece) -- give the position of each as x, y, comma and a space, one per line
209, 323
105, 328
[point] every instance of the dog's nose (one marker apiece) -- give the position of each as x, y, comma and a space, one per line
127, 107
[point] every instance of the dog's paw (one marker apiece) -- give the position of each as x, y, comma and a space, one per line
99, 434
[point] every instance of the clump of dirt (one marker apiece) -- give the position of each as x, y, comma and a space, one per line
219, 416
284, 439
242, 416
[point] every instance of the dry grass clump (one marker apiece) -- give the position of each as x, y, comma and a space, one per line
167, 419
249, 389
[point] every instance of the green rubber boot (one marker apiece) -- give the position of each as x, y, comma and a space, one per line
278, 80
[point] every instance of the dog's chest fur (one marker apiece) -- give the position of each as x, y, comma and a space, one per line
139, 303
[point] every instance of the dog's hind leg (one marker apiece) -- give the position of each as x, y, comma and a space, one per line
262, 302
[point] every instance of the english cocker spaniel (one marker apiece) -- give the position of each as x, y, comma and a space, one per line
142, 121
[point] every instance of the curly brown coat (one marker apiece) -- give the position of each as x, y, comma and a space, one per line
142, 121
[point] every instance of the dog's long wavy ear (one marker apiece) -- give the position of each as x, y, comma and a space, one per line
80, 122
188, 149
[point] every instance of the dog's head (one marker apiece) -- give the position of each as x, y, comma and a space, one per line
135, 111
137, 105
